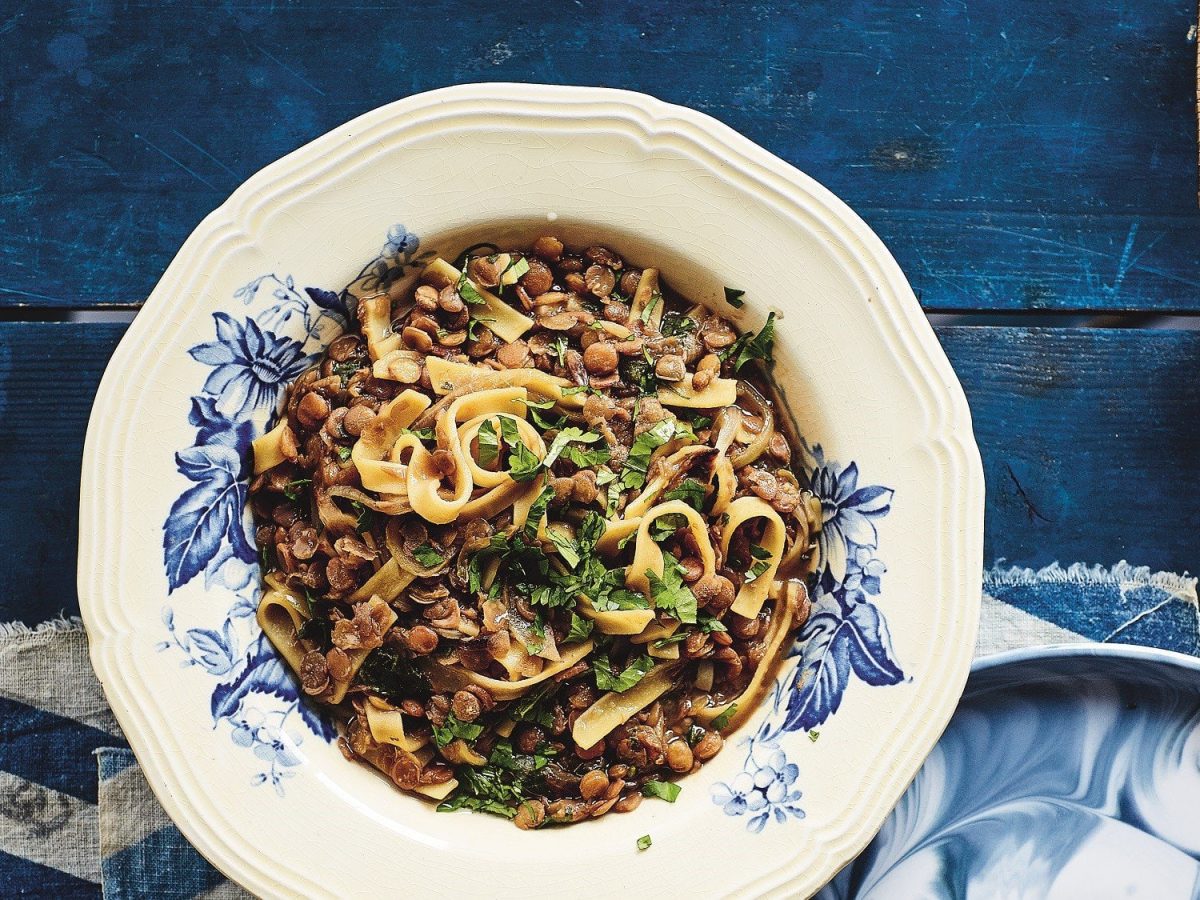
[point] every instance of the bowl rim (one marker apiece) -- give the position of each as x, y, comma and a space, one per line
948, 427
1084, 650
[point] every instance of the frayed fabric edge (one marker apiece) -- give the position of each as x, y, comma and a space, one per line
1122, 575
61, 625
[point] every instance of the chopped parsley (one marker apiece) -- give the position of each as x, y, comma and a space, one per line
723, 719
428, 557
343, 453
664, 527
390, 675
607, 680
695, 733
708, 624
580, 629
762, 562
467, 290
670, 593
536, 511
453, 729
690, 491
293, 489
566, 546
567, 436
644, 842
734, 297
535, 706
676, 638
489, 444
514, 270
655, 299
813, 735
501, 786
421, 434
666, 790
676, 324
523, 463
639, 372
633, 475
366, 517
752, 346
560, 349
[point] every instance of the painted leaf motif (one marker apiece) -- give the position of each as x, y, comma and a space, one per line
262, 672
207, 515
215, 651
870, 646
326, 300
821, 675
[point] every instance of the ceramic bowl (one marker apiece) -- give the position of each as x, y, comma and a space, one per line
168, 574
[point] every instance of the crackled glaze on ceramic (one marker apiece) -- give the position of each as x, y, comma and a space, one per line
1058, 777
863, 378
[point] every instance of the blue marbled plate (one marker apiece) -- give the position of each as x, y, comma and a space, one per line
1066, 772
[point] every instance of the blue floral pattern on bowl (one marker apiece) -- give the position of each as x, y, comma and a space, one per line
208, 530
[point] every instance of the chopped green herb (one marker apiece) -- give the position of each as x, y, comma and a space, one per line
477, 320
633, 475
428, 557
667, 790
695, 733
293, 489
670, 593
577, 389
515, 270
644, 842
467, 290
580, 629
534, 707
607, 680
748, 346
734, 297
762, 562
708, 624
343, 453
347, 368
454, 729
560, 349
366, 517
564, 437
676, 638
565, 545
813, 735
664, 527
655, 299
723, 719
523, 463
391, 676
700, 422
676, 324
537, 511
489, 444
690, 491
421, 434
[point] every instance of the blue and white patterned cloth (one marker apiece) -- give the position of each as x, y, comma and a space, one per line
77, 818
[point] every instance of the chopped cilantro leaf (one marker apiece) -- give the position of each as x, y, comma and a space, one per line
454, 729
675, 324
748, 346
489, 444
467, 290
293, 489
734, 297
644, 842
709, 624
564, 437
428, 557
664, 527
586, 459
523, 463
723, 719
566, 546
633, 475
366, 517
390, 675
690, 491
537, 511
607, 680
580, 629
670, 593
667, 790
533, 707
762, 562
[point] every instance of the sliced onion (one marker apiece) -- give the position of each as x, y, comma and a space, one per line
748, 395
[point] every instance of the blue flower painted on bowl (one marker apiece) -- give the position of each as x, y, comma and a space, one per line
249, 366
848, 513
400, 243
762, 791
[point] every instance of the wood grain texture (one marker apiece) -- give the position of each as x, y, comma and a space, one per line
1088, 442
1012, 156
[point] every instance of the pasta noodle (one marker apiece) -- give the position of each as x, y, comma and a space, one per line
529, 532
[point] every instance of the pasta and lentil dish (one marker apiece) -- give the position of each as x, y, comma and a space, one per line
531, 533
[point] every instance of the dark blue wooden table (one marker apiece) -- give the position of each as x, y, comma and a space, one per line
1031, 165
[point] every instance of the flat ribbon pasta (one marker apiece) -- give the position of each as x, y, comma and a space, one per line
648, 557
752, 593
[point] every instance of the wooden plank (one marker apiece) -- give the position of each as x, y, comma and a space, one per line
48, 377
1041, 158
1088, 442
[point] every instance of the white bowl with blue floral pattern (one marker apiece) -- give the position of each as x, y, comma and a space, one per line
168, 578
